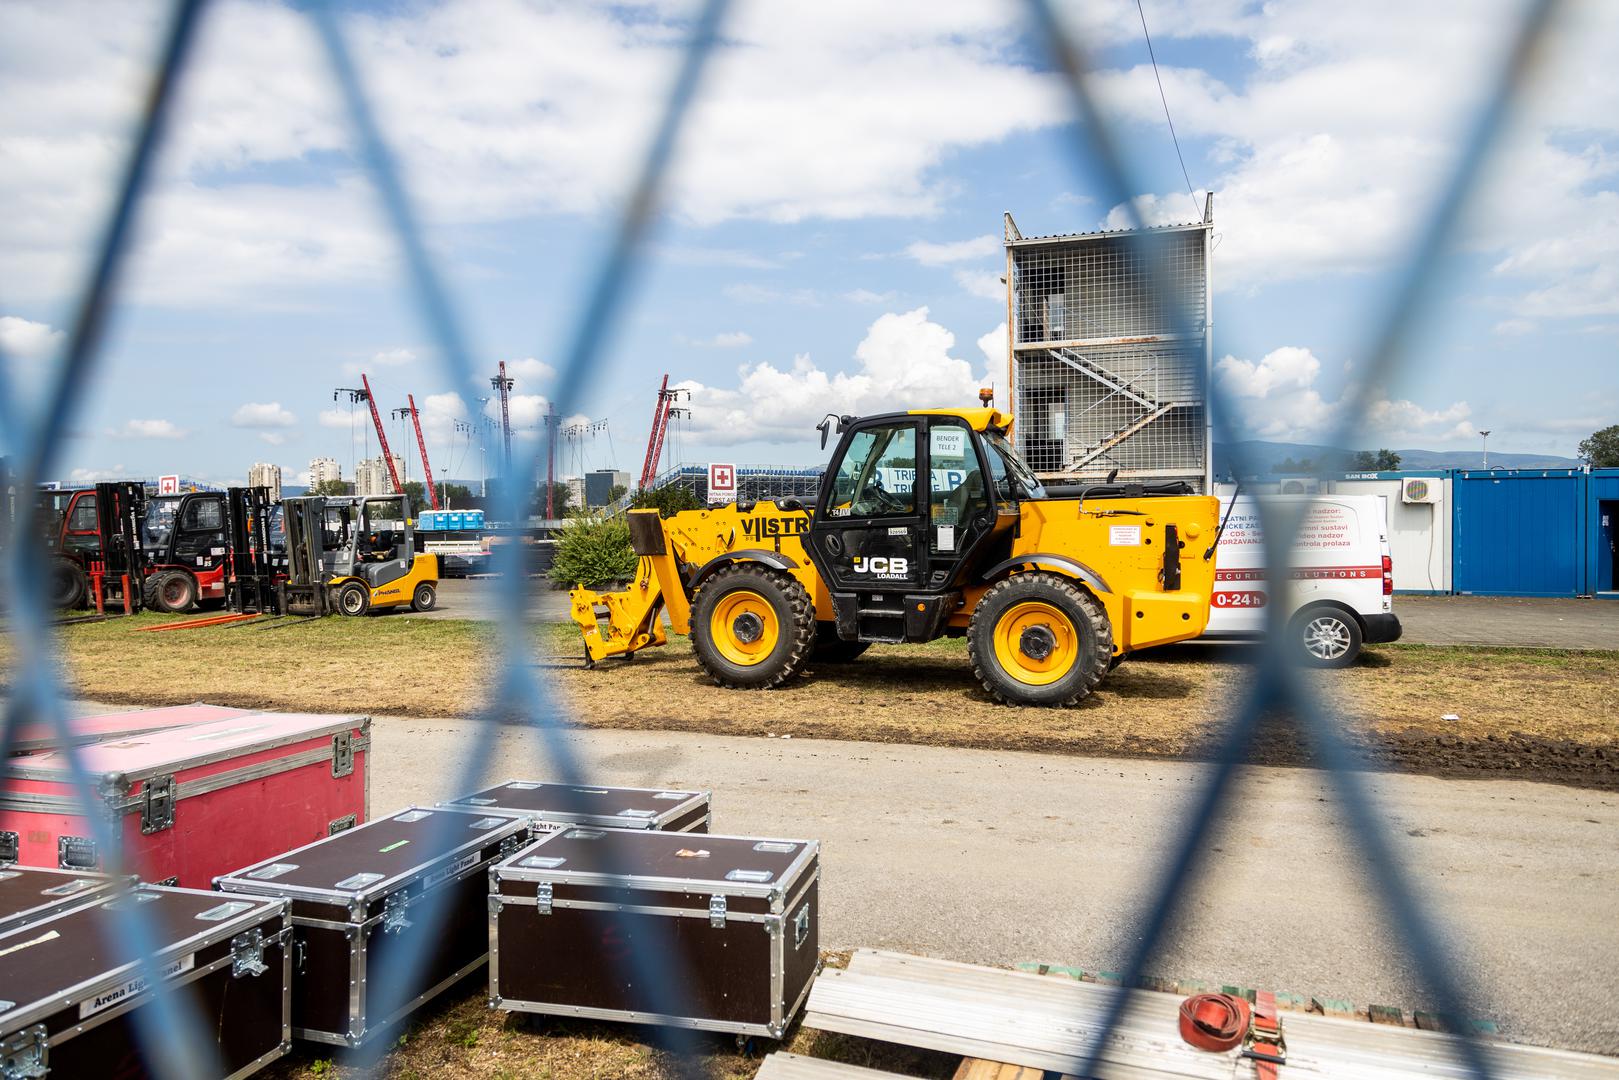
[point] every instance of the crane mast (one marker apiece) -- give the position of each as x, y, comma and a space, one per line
660, 426
421, 444
382, 436
503, 383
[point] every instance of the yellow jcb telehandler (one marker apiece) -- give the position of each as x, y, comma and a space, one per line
927, 523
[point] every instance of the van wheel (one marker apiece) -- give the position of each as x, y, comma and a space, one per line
1039, 639
1326, 637
353, 599
425, 598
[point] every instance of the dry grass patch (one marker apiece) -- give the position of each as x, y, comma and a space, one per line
1541, 714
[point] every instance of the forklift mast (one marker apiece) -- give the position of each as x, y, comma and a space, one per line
251, 578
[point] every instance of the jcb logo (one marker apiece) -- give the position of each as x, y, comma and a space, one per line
878, 565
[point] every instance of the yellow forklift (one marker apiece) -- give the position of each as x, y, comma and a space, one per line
353, 555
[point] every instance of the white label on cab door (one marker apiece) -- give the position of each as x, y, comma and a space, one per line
1124, 535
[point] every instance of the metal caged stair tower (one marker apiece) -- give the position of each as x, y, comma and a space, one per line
1101, 379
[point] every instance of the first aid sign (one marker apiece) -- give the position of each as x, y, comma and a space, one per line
721, 484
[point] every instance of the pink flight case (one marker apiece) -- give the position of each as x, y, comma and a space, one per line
191, 803
100, 727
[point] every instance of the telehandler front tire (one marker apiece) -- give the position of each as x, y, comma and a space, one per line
752, 627
1038, 639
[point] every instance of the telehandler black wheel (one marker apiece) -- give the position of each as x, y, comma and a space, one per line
173, 590
831, 649
68, 585
353, 599
752, 627
425, 598
1039, 639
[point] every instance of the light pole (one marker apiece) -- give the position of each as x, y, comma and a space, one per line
1485, 435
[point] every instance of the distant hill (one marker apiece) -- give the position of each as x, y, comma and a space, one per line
1261, 456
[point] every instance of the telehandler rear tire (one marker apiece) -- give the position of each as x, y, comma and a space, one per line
752, 627
1039, 639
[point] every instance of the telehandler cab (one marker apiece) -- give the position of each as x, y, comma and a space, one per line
350, 555
927, 523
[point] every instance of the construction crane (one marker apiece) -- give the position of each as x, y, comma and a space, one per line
415, 415
665, 409
551, 423
503, 383
363, 393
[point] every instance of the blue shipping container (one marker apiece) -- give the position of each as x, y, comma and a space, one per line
1519, 532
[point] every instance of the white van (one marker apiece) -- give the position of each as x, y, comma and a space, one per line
1343, 577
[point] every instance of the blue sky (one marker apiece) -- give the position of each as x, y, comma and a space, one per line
831, 235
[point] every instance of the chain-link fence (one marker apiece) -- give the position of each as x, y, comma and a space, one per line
175, 1040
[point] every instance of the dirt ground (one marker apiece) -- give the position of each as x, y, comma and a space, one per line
1536, 714
460, 1036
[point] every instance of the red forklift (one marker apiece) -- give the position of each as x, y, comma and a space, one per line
212, 547
93, 536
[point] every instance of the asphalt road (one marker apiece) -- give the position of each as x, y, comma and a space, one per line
1532, 622
995, 857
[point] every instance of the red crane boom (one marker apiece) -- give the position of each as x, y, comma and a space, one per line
382, 436
421, 444
654, 441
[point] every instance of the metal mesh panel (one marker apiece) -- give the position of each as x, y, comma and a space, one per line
1104, 375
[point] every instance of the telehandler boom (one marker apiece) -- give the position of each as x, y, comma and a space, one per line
927, 524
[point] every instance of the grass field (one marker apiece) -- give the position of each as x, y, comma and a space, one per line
1539, 714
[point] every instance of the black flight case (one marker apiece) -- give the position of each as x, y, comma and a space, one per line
719, 933
69, 992
359, 900
549, 807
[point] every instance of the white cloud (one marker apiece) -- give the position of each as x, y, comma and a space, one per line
268, 414
733, 339
274, 438
496, 109
1513, 328
732, 257
748, 293
25, 339
984, 284
393, 357
994, 346
148, 429
904, 362
91, 476
866, 296
341, 418
1276, 399
529, 372
929, 253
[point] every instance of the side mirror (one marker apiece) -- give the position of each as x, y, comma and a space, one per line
825, 428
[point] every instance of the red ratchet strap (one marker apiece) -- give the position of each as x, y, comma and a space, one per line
1265, 1045
1214, 1021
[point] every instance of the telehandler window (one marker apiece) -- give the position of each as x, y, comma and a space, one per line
877, 476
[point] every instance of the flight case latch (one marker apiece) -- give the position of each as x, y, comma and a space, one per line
393, 914
716, 911
342, 753
542, 898
157, 804
10, 847
24, 1056
247, 954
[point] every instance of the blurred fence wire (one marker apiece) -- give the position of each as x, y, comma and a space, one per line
174, 1039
